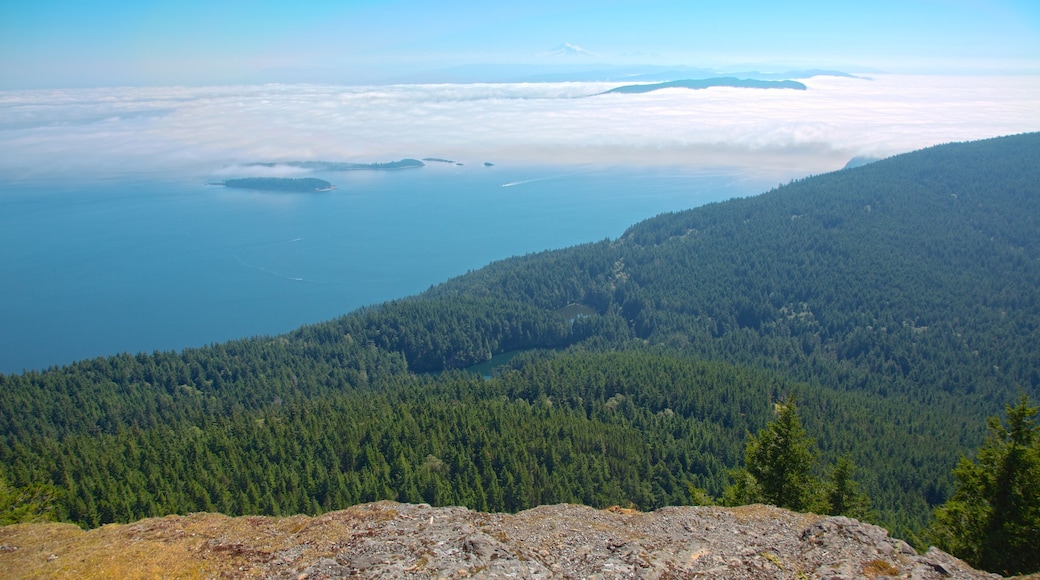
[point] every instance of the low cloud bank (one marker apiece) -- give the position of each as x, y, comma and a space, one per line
112, 131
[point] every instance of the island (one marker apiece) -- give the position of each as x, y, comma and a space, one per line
342, 166
437, 160
303, 184
860, 161
697, 84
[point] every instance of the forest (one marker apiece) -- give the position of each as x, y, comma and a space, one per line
897, 303
279, 184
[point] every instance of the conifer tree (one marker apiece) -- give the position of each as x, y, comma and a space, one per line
843, 495
34, 503
777, 464
993, 519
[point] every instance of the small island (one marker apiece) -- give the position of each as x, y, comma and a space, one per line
707, 84
303, 184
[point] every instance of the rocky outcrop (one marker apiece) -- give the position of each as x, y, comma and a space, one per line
391, 540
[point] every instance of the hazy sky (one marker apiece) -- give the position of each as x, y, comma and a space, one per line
191, 86
80, 43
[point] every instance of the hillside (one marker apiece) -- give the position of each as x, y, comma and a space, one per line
387, 540
898, 301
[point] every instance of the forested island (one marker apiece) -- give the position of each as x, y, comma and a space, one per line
343, 166
881, 322
300, 184
859, 161
699, 84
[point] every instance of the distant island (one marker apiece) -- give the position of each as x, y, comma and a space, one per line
698, 84
303, 184
437, 160
342, 166
860, 161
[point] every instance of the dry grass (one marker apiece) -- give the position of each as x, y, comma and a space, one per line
875, 568
758, 512
193, 546
66, 551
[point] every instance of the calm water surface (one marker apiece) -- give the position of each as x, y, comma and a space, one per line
133, 264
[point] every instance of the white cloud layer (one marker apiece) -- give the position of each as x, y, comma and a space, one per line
116, 130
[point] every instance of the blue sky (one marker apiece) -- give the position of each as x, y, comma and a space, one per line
82, 43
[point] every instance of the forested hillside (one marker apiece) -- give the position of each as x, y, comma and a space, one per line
899, 302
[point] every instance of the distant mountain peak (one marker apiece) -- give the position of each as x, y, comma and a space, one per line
567, 49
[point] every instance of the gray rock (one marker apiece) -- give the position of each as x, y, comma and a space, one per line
389, 540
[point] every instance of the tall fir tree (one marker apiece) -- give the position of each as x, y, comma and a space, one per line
993, 519
778, 461
843, 495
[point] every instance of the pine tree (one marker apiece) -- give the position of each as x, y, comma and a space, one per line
993, 519
33, 503
777, 464
843, 495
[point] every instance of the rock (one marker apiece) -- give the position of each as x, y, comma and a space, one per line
391, 540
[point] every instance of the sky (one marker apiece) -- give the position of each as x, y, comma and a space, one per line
196, 87
94, 43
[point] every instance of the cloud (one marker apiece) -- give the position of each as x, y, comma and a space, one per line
201, 131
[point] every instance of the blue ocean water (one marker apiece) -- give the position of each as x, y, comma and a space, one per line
140, 264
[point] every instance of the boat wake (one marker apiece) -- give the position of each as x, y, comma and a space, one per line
270, 271
546, 178
526, 181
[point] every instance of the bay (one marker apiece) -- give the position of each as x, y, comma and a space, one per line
135, 264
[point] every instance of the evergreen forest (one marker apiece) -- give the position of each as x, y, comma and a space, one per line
895, 305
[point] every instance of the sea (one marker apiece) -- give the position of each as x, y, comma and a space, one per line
136, 263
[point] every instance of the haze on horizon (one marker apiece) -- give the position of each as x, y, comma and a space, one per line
100, 86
